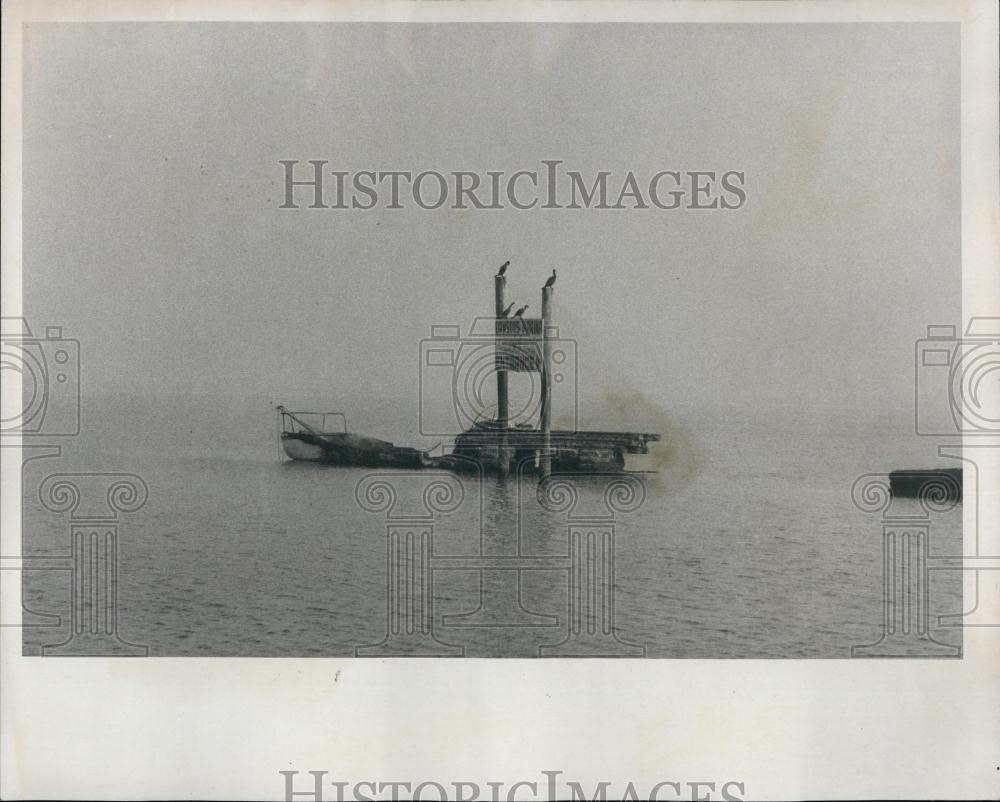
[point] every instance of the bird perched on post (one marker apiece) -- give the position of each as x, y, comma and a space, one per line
503, 268
520, 312
552, 279
506, 311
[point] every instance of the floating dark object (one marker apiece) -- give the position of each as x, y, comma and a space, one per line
941, 484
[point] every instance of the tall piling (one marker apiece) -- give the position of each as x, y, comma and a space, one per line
545, 463
503, 454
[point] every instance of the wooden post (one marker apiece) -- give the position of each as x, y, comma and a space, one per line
546, 421
503, 456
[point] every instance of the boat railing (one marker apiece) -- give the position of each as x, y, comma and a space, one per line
312, 422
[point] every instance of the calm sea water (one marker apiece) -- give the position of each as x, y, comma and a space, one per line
746, 544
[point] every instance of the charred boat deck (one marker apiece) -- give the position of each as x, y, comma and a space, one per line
486, 445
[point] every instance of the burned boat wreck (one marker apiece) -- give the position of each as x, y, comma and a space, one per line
519, 345
305, 442
485, 447
570, 452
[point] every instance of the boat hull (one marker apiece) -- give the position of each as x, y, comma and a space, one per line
300, 450
349, 449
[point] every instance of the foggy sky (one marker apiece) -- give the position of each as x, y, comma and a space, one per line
152, 231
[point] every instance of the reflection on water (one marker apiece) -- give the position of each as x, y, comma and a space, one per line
500, 586
760, 557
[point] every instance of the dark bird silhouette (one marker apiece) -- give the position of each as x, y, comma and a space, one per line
552, 279
520, 312
503, 268
506, 311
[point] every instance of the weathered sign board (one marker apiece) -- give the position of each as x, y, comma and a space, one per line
519, 344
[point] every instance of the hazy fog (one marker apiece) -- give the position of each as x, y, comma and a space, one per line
152, 231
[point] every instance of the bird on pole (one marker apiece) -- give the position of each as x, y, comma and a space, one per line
552, 279
503, 268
